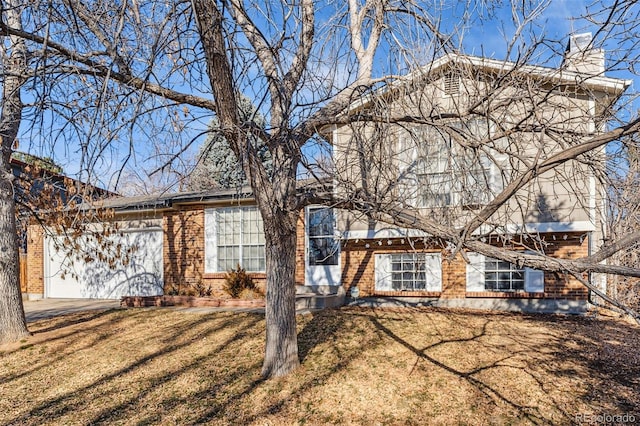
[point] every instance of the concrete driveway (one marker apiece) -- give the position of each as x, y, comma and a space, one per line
47, 308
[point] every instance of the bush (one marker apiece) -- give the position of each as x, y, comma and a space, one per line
237, 282
198, 289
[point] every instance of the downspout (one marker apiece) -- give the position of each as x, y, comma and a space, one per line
590, 278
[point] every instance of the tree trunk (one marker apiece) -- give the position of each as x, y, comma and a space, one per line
13, 325
276, 197
281, 350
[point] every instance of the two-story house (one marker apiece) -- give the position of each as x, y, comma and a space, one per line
460, 143
443, 144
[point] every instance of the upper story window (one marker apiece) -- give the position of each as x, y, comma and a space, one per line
234, 236
439, 172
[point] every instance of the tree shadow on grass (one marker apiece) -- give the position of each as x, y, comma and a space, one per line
229, 384
89, 331
527, 412
62, 404
64, 321
324, 326
119, 413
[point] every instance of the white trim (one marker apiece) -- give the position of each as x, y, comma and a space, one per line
321, 274
533, 227
133, 230
383, 233
210, 240
475, 272
592, 199
46, 267
577, 226
382, 272
533, 280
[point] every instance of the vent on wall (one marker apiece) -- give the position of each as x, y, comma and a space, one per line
451, 83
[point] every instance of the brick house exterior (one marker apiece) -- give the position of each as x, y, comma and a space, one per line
182, 219
562, 219
205, 234
183, 253
358, 260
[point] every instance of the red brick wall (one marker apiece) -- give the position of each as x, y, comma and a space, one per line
35, 260
359, 269
184, 257
183, 250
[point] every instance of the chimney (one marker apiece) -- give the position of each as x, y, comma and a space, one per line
581, 57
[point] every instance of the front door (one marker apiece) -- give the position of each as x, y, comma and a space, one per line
322, 264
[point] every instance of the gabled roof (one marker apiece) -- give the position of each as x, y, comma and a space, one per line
559, 76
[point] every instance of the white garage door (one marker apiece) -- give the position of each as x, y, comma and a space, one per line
81, 274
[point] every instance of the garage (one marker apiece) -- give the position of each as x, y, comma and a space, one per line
130, 264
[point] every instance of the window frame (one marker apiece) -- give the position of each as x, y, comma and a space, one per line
432, 271
533, 279
326, 237
212, 241
463, 168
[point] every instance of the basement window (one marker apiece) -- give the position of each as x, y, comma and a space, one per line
408, 272
494, 275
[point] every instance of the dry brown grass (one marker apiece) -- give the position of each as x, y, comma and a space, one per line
359, 366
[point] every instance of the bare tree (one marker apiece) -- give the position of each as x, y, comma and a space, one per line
144, 46
471, 150
12, 320
305, 76
624, 203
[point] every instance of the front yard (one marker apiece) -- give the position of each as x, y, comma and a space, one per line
359, 366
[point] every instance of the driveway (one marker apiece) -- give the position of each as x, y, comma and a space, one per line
47, 308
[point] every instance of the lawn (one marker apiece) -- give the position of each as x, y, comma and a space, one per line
359, 366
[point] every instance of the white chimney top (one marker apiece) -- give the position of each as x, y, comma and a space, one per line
580, 42
580, 55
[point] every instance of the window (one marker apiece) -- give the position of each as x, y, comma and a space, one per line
324, 249
488, 274
433, 172
408, 272
440, 172
502, 276
234, 236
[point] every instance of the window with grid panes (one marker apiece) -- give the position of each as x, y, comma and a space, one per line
502, 276
324, 249
234, 236
433, 172
444, 173
408, 272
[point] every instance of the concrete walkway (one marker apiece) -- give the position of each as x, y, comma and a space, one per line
47, 308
